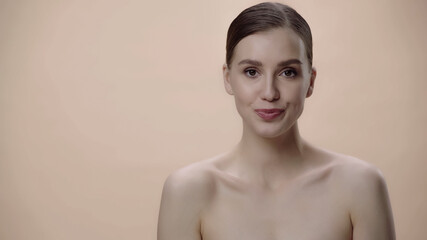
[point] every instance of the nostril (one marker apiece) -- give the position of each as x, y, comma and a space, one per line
271, 94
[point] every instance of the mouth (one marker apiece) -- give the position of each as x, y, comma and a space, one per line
270, 113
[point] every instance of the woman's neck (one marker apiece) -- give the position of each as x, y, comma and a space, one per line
269, 160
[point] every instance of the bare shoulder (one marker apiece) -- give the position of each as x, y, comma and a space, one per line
360, 181
344, 169
355, 173
362, 188
186, 192
194, 180
352, 177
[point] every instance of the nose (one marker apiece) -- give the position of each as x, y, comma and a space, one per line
270, 92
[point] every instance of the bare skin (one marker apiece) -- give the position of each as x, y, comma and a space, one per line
335, 197
273, 185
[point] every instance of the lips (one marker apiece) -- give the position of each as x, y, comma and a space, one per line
269, 113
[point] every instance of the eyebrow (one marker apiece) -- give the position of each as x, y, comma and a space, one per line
280, 64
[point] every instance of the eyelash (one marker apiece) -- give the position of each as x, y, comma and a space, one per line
249, 70
292, 71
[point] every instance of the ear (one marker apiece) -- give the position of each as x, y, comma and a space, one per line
312, 79
226, 76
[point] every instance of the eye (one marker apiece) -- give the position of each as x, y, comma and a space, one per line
290, 73
251, 72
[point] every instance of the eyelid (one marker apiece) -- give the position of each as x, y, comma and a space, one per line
246, 70
250, 68
295, 72
280, 73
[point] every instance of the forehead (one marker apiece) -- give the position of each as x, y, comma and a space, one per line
271, 47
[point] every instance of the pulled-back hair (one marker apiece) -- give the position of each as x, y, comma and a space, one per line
263, 17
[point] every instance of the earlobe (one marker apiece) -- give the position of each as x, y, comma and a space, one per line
309, 92
312, 79
226, 76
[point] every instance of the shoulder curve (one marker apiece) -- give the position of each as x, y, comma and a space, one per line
186, 192
351, 174
193, 180
358, 178
342, 161
353, 167
365, 193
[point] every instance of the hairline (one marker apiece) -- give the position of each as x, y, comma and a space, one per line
283, 26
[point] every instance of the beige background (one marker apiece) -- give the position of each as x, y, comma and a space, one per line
101, 100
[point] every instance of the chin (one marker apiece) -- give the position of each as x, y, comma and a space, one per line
269, 131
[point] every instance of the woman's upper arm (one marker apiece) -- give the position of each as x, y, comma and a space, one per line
370, 211
183, 197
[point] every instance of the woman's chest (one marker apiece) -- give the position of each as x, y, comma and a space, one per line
313, 212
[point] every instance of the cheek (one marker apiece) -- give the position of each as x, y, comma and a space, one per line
294, 92
243, 93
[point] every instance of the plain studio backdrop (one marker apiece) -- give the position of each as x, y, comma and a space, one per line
101, 100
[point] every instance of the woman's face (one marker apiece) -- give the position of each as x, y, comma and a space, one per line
270, 70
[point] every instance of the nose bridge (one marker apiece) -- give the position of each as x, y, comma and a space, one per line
270, 91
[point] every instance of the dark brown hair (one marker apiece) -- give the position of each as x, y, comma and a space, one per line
263, 17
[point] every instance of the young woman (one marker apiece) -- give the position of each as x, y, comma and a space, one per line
274, 185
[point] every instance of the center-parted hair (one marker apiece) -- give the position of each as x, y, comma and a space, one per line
263, 17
